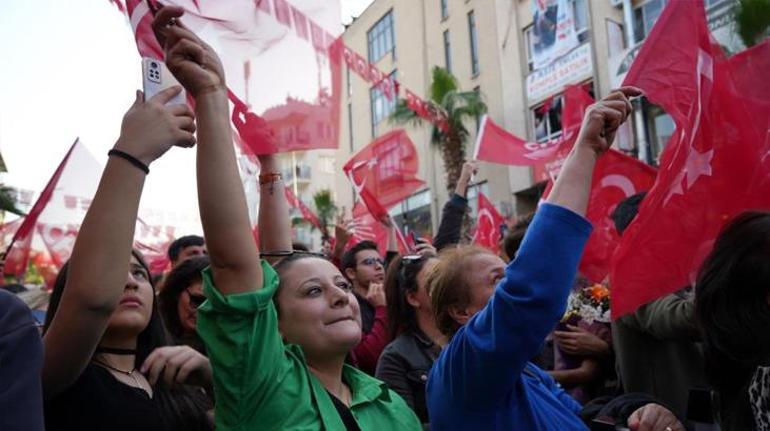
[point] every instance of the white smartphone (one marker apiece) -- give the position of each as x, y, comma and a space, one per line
156, 78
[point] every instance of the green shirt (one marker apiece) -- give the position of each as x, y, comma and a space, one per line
260, 383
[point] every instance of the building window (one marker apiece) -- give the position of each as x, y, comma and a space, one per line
547, 116
474, 43
580, 12
473, 197
444, 9
447, 51
380, 105
645, 17
381, 38
660, 130
413, 214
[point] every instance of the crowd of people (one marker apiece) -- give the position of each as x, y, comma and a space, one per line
246, 336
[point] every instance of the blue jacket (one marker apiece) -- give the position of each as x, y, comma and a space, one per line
483, 380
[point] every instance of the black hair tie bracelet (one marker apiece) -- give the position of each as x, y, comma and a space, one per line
131, 159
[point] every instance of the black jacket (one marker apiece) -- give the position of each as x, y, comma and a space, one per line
450, 227
404, 367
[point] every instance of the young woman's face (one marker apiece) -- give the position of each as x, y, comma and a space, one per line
135, 307
187, 306
318, 309
420, 299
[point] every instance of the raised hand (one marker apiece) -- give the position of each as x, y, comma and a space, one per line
191, 60
376, 295
424, 248
150, 128
177, 365
603, 118
469, 170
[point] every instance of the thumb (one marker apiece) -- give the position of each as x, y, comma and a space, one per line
139, 98
633, 421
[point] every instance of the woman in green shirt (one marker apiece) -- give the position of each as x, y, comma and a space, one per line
277, 347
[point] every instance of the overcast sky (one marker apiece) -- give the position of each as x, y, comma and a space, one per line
70, 69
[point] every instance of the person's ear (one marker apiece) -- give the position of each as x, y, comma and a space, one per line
411, 299
461, 316
350, 273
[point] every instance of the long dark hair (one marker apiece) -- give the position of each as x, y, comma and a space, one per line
180, 407
179, 279
733, 313
400, 280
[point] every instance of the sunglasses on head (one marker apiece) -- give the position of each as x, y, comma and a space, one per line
370, 261
196, 300
406, 261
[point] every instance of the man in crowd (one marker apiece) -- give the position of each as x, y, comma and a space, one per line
365, 268
186, 247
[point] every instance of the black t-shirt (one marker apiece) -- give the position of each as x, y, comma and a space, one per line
21, 360
347, 417
98, 401
367, 313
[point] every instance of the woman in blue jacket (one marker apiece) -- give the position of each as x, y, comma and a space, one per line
498, 316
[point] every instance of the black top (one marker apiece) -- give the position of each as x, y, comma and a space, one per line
98, 401
450, 227
21, 361
404, 366
347, 417
367, 313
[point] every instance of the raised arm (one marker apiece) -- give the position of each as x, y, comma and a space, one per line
597, 132
100, 257
274, 221
224, 214
450, 227
486, 356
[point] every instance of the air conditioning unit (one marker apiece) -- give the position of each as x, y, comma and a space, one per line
616, 3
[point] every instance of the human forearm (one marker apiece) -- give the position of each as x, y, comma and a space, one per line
224, 214
573, 185
274, 221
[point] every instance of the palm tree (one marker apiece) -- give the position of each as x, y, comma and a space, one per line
753, 20
457, 107
326, 209
7, 201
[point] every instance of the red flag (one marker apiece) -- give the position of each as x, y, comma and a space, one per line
141, 21
369, 228
300, 23
119, 4
59, 241
18, 253
282, 13
494, 144
307, 213
616, 177
710, 171
488, 222
384, 172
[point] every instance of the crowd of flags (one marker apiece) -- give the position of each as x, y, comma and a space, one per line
714, 166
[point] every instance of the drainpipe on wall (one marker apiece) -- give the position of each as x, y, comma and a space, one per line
642, 143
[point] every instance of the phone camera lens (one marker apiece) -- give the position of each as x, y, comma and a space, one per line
154, 65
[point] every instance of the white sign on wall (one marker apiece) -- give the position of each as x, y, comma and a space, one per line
571, 68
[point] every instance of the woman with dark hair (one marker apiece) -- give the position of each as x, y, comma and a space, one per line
277, 340
406, 361
179, 300
732, 306
103, 322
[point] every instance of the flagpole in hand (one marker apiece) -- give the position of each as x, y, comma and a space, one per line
600, 123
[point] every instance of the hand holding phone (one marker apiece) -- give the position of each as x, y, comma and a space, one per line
156, 78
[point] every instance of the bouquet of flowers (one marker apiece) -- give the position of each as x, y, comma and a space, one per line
590, 303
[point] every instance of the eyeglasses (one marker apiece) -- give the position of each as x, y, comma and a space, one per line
371, 261
196, 300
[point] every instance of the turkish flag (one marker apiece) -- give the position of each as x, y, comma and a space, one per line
291, 112
616, 177
711, 169
488, 222
495, 144
307, 213
384, 172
